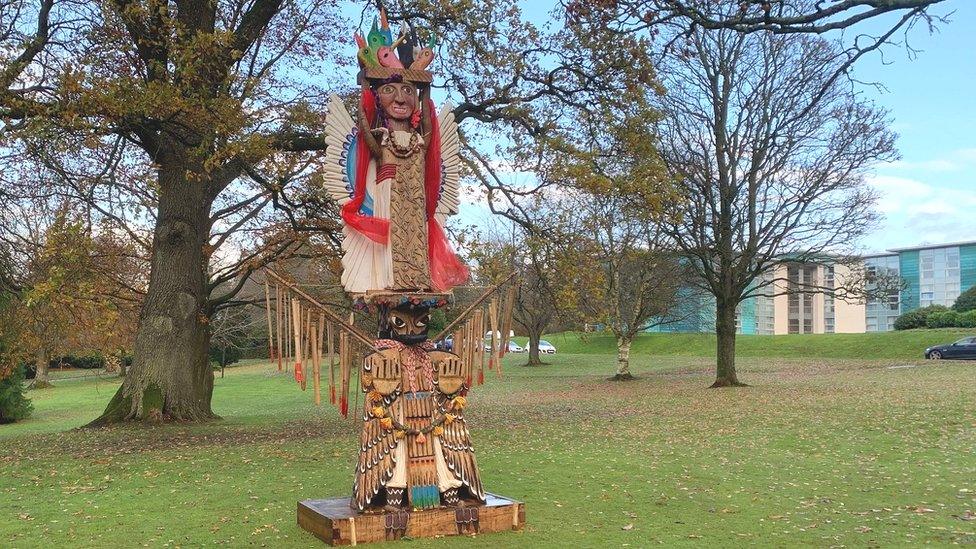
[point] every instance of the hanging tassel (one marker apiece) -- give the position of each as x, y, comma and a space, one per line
481, 377
332, 394
344, 406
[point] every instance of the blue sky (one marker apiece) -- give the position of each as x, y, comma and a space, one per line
929, 196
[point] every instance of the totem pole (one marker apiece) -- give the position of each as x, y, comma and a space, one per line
394, 171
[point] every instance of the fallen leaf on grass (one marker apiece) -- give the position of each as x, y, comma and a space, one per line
627, 527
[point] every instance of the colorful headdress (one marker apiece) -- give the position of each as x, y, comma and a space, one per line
380, 56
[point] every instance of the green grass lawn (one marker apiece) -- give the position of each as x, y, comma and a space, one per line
817, 452
905, 345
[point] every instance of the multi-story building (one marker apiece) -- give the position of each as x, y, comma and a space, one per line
784, 309
930, 275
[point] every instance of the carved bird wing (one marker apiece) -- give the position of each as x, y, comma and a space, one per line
376, 461
342, 138
448, 200
459, 453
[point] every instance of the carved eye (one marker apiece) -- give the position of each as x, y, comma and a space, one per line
397, 322
423, 321
388, 89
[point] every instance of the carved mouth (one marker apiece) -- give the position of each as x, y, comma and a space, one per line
399, 110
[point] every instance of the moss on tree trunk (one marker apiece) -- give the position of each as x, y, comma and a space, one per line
171, 377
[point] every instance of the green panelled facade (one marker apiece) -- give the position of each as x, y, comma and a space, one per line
747, 316
908, 267
967, 267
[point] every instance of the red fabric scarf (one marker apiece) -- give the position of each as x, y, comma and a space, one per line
446, 270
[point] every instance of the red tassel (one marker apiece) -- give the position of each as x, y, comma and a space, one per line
344, 406
467, 382
332, 394
299, 374
491, 364
481, 377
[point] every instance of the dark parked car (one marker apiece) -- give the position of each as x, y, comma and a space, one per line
964, 348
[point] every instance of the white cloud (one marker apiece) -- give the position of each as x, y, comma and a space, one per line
919, 212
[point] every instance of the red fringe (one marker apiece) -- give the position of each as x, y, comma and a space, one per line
481, 377
344, 406
299, 374
332, 394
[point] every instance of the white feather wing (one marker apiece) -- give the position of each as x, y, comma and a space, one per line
340, 154
449, 199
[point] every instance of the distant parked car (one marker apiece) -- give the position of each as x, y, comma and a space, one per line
446, 344
965, 348
512, 347
546, 347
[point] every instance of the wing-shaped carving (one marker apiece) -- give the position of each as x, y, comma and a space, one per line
341, 137
448, 201
458, 452
376, 461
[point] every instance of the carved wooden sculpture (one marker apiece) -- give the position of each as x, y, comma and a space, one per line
394, 172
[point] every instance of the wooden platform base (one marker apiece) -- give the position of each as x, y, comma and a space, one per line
334, 522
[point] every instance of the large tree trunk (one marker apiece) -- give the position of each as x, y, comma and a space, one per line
41, 363
534, 358
725, 356
623, 359
171, 377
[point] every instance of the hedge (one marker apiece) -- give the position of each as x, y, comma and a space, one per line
937, 319
917, 318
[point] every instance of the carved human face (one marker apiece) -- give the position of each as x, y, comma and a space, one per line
408, 325
398, 99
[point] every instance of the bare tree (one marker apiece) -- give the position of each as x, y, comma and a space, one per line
235, 329
777, 16
770, 150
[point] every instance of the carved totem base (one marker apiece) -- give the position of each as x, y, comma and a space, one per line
335, 523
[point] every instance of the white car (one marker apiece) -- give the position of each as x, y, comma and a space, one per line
546, 347
512, 347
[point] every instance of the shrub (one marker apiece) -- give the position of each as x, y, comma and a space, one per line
917, 318
943, 319
14, 406
967, 319
966, 301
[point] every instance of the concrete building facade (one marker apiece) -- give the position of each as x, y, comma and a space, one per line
930, 275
